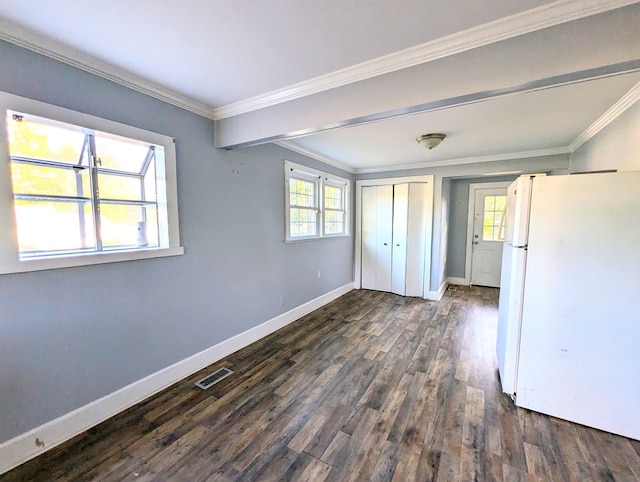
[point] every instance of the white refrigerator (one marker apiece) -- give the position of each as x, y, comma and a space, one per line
569, 312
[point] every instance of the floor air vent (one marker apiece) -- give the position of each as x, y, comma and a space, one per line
452, 288
214, 378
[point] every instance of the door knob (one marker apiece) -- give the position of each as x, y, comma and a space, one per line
386, 244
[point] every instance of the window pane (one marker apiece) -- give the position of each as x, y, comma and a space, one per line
493, 229
303, 222
54, 226
38, 138
120, 187
488, 219
489, 203
54, 181
121, 226
333, 197
334, 222
120, 153
302, 193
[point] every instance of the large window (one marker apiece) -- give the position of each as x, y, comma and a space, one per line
82, 190
316, 203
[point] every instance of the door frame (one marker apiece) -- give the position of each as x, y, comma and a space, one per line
473, 187
429, 179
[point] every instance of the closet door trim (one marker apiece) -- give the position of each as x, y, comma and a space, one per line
429, 179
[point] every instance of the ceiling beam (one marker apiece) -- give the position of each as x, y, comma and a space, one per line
585, 75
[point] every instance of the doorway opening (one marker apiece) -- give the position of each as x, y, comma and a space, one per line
485, 233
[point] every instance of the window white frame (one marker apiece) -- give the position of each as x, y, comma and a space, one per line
321, 179
10, 261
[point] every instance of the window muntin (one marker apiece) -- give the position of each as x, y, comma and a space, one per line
316, 203
304, 209
334, 208
493, 218
107, 179
48, 167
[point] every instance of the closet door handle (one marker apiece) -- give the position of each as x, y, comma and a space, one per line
386, 244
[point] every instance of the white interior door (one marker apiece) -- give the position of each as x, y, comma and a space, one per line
487, 236
377, 216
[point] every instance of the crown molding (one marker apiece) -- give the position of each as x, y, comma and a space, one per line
469, 160
608, 117
549, 15
36, 42
292, 146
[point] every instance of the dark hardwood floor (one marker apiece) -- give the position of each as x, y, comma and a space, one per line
372, 386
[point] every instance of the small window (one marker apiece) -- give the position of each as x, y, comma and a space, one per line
316, 203
79, 192
493, 218
303, 206
334, 208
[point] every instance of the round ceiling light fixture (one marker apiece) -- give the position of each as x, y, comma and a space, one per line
430, 140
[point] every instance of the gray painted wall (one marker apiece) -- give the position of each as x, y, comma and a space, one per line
615, 147
458, 217
70, 336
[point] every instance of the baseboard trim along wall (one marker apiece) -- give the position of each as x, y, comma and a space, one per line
458, 281
47, 436
436, 295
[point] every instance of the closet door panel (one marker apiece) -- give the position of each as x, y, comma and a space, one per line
377, 213
369, 238
399, 253
416, 239
384, 202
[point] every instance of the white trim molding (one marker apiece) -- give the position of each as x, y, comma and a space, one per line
45, 437
36, 42
292, 146
552, 14
438, 294
626, 101
539, 18
452, 280
553, 151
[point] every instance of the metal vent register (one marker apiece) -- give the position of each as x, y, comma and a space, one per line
214, 378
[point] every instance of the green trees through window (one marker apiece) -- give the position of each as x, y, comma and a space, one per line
317, 204
76, 189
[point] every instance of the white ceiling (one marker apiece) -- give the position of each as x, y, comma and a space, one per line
272, 71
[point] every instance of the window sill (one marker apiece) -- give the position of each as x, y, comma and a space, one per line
71, 261
314, 238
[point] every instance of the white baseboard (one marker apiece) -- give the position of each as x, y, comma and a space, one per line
40, 439
436, 295
457, 281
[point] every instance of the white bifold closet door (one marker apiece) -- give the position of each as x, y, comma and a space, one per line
377, 228
394, 238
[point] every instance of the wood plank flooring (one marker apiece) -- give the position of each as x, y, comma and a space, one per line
372, 386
